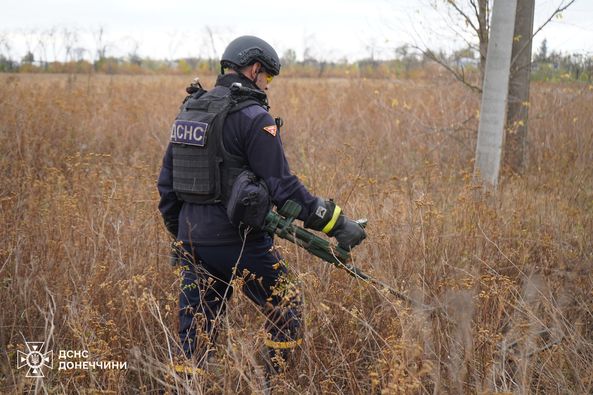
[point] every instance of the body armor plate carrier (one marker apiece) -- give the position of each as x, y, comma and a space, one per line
203, 170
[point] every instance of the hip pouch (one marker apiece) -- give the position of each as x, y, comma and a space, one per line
249, 201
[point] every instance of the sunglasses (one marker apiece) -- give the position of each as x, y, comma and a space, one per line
269, 76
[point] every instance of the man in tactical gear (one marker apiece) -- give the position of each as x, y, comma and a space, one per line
217, 135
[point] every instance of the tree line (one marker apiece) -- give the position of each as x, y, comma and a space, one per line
406, 61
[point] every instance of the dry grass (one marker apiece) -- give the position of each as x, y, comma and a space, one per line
83, 253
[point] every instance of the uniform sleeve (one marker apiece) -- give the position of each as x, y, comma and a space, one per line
266, 158
169, 205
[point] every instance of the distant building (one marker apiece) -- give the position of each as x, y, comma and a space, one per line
465, 62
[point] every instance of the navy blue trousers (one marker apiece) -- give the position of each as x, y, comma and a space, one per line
206, 275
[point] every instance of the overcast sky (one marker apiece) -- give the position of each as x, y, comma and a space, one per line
330, 29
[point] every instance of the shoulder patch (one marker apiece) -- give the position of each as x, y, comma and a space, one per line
271, 129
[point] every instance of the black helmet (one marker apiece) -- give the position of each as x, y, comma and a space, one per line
246, 50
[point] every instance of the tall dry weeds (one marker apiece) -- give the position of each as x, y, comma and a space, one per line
84, 256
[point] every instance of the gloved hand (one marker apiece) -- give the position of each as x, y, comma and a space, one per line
348, 233
328, 218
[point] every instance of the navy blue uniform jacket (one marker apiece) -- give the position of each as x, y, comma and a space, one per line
245, 134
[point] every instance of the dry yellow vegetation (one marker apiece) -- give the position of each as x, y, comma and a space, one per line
84, 254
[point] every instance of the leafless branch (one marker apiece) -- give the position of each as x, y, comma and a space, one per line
476, 10
468, 20
561, 8
459, 75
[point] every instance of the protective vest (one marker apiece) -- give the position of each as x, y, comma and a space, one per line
203, 170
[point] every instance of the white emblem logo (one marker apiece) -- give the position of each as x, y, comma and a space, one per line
35, 359
321, 212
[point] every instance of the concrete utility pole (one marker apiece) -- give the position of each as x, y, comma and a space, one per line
495, 91
515, 153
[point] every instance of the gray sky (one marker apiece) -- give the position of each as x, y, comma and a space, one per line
331, 29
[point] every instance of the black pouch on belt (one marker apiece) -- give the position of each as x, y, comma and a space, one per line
249, 201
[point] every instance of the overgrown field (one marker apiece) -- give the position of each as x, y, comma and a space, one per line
84, 254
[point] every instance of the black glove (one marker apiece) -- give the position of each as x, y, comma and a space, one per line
328, 218
348, 233
172, 225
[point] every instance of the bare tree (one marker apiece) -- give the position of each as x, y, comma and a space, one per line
515, 147
289, 57
469, 20
213, 60
175, 40
52, 37
70, 40
466, 19
100, 47
494, 98
312, 56
6, 61
133, 55
42, 42
475, 16
78, 53
31, 44
518, 96
5, 47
